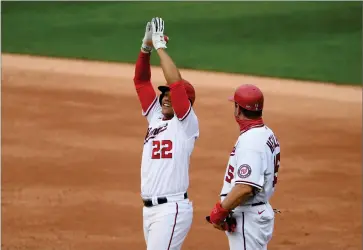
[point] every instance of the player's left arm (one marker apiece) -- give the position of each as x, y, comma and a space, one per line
248, 178
239, 194
179, 98
178, 94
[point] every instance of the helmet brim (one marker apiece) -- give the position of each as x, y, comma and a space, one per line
189, 90
163, 89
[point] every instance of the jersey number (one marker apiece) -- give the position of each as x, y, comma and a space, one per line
277, 165
162, 149
230, 174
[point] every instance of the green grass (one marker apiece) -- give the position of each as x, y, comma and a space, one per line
304, 40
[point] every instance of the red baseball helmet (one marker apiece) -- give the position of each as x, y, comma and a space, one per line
188, 88
248, 97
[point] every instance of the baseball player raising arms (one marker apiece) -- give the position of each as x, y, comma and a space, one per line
168, 145
244, 211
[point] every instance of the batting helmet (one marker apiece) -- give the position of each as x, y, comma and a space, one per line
188, 88
248, 97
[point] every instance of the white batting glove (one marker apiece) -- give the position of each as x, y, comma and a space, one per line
158, 38
147, 40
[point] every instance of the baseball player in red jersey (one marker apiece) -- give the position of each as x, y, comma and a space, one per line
244, 211
172, 130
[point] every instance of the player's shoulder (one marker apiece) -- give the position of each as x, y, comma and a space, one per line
192, 113
157, 112
156, 119
254, 138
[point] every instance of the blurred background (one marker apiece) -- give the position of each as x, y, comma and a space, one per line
319, 41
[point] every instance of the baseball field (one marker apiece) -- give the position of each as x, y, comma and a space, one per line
72, 130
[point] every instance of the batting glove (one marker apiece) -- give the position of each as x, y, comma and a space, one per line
158, 38
218, 214
147, 40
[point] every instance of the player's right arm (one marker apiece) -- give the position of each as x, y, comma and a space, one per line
142, 78
143, 86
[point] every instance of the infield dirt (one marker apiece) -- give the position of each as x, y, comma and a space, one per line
72, 136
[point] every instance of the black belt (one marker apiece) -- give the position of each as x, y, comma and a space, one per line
161, 200
258, 204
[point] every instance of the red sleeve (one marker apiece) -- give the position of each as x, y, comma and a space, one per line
144, 88
179, 100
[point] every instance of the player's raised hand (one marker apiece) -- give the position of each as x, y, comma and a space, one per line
147, 40
158, 28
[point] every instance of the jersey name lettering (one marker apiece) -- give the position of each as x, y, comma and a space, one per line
152, 133
272, 143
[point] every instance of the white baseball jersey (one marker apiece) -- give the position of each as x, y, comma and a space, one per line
166, 154
254, 160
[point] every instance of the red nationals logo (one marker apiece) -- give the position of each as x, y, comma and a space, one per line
244, 171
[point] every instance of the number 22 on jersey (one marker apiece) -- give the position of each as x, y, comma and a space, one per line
162, 149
